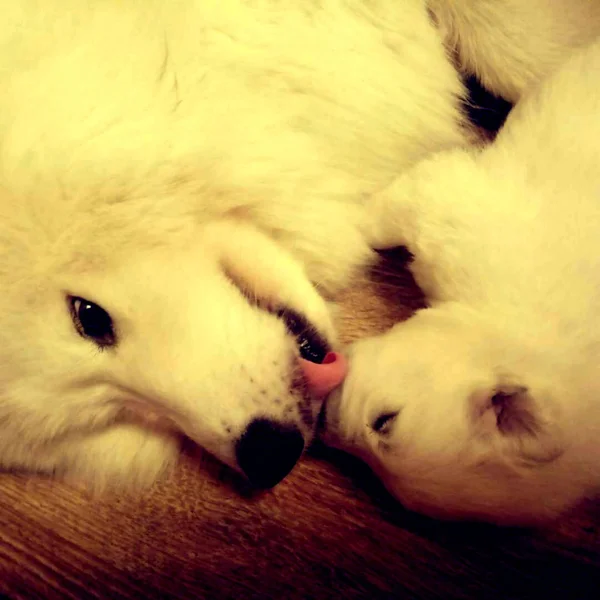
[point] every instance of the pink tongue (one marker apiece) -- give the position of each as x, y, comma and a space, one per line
325, 377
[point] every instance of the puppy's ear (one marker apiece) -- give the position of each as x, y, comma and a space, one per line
520, 425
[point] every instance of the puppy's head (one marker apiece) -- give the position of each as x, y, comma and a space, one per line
217, 333
459, 421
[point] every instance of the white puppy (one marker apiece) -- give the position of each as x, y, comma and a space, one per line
180, 183
487, 404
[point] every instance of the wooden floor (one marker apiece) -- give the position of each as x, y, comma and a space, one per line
328, 531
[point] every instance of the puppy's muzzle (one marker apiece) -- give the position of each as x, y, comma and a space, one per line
267, 451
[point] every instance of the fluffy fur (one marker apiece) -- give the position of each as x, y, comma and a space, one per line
191, 166
487, 404
511, 44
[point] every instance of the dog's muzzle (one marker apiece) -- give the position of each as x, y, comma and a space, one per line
268, 450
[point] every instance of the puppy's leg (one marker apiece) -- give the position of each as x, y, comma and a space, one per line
419, 211
268, 272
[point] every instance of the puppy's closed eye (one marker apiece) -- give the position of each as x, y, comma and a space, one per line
384, 423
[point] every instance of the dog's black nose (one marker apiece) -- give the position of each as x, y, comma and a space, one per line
268, 451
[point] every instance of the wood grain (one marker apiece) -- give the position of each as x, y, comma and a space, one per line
328, 531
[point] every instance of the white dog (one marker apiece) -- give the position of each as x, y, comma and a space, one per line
182, 182
487, 404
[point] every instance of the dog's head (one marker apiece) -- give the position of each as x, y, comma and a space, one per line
216, 332
157, 262
461, 421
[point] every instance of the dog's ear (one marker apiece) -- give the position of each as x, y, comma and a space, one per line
524, 428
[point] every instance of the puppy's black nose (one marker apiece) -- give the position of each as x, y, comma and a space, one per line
268, 451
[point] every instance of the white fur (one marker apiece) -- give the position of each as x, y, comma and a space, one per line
169, 160
188, 164
492, 393
512, 44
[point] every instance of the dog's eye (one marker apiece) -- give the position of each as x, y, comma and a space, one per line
310, 343
312, 348
92, 321
383, 423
